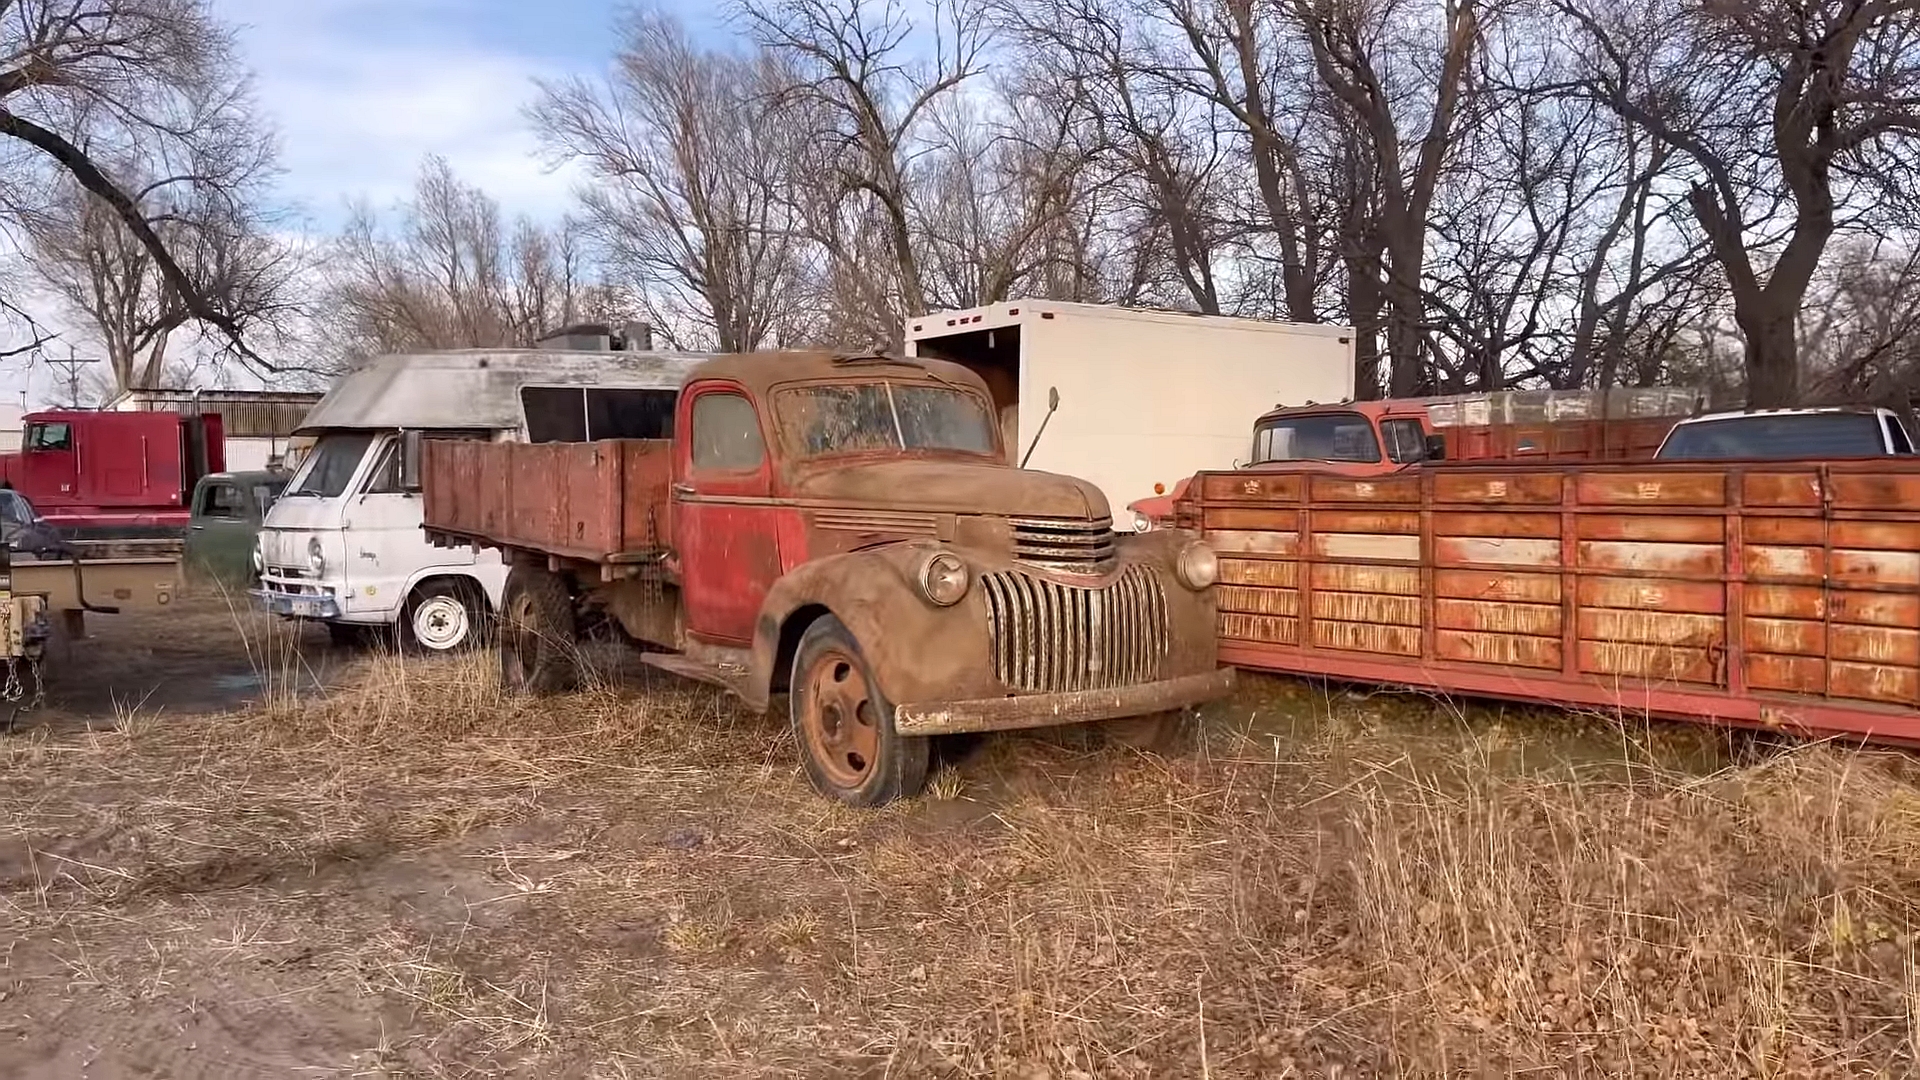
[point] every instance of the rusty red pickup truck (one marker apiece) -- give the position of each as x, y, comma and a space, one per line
845, 530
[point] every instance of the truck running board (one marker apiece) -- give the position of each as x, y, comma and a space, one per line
719, 669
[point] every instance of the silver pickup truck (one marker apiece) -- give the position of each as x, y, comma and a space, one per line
1782, 434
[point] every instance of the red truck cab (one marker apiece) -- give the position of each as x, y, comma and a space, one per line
114, 475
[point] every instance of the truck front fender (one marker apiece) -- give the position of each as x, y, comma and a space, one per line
873, 594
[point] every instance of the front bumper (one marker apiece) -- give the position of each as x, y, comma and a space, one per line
296, 605
1049, 710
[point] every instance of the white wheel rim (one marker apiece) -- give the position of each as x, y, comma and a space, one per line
440, 622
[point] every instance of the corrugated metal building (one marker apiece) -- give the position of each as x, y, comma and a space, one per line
259, 423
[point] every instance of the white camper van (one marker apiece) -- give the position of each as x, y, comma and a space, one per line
343, 544
1129, 398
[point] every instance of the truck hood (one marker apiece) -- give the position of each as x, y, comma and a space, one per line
954, 487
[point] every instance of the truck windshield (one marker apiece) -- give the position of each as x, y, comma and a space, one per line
330, 465
1758, 435
1345, 436
850, 417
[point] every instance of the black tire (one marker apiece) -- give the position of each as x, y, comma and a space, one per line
843, 723
441, 617
538, 640
1161, 733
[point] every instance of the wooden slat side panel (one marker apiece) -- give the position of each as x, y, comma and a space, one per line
1367, 608
1267, 629
646, 471
1652, 488
1367, 637
1502, 649
1653, 594
1532, 487
1497, 585
1537, 620
1277, 573
1257, 601
1263, 488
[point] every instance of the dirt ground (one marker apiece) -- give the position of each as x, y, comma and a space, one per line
232, 853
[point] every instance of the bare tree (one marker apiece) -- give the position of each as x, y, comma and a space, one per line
451, 275
88, 83
692, 151
1817, 100
857, 62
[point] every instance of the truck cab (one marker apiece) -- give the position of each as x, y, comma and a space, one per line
114, 475
223, 534
1781, 434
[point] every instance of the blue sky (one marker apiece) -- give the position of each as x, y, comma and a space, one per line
360, 90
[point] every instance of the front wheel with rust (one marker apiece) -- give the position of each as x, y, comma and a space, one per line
844, 724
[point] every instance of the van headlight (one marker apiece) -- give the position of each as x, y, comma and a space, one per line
1141, 522
943, 578
316, 561
259, 557
1198, 566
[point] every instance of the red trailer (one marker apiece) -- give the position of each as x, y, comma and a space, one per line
114, 475
1773, 594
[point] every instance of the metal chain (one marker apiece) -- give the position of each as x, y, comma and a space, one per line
13, 691
39, 683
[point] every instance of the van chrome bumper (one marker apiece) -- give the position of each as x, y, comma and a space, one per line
1048, 710
296, 605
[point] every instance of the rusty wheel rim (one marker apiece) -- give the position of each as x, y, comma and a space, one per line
841, 721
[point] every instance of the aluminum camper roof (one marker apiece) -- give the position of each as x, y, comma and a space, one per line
478, 389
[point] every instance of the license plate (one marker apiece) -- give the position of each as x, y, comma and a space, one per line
304, 607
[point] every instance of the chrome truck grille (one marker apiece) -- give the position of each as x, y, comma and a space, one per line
1054, 638
1064, 543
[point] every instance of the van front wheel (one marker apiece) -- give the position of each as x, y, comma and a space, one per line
844, 723
443, 616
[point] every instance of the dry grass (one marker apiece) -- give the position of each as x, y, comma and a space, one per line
417, 875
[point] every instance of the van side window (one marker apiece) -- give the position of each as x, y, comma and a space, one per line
726, 434
385, 479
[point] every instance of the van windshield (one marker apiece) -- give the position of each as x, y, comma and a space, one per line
1757, 435
330, 465
842, 418
1341, 436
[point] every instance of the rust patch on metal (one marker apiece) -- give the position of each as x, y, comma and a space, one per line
1654, 663
1787, 601
1876, 682
1346, 577
1367, 546
1366, 521
1236, 626
1539, 620
1874, 491
1784, 530
1367, 608
1893, 535
1258, 518
1765, 561
1668, 558
1796, 674
1876, 567
1494, 585
1782, 489
1652, 489
1341, 489
1696, 597
1876, 609
1876, 645
1454, 550
1250, 487
1367, 637
1529, 526
1510, 649
1792, 636
1650, 627
1682, 530
1275, 573
1255, 601
1229, 541
1534, 488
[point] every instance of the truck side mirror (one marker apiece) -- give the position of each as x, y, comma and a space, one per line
410, 446
1436, 448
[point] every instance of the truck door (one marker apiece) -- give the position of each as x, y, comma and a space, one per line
50, 463
220, 536
723, 520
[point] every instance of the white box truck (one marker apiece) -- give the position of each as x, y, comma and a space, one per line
1144, 397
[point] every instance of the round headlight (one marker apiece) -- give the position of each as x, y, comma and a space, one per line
259, 559
944, 578
316, 561
1141, 522
1199, 567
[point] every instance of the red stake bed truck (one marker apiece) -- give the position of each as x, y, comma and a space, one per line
847, 530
